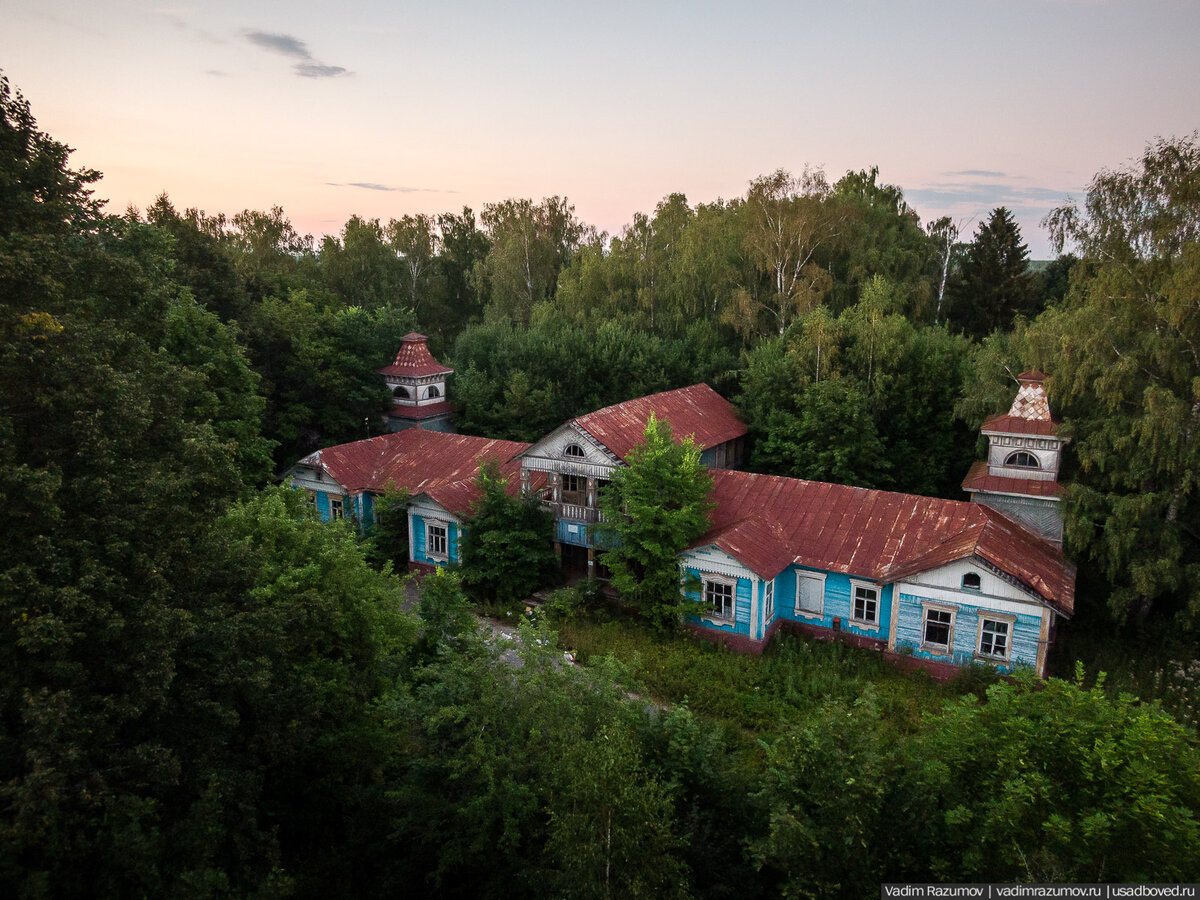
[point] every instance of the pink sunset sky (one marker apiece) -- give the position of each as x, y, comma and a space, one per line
386, 108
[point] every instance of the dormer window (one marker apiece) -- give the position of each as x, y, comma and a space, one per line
574, 450
1022, 459
970, 581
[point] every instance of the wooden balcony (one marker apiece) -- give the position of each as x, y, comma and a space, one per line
576, 512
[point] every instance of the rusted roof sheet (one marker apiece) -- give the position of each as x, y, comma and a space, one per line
697, 411
441, 408
768, 523
420, 462
1007, 423
414, 359
978, 479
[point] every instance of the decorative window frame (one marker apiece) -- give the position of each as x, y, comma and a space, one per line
927, 607
1009, 461
574, 451
431, 524
991, 616
809, 613
855, 586
710, 613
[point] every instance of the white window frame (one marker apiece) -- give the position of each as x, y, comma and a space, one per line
1008, 461
820, 580
337, 508
926, 609
862, 622
999, 618
431, 539
574, 451
707, 580
769, 601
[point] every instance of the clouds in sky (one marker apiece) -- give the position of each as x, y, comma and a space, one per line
374, 186
287, 45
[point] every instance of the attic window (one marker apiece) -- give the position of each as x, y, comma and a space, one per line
971, 582
573, 450
1023, 460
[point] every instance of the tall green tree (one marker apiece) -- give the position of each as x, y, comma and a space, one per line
1123, 350
530, 244
994, 284
506, 542
788, 222
654, 508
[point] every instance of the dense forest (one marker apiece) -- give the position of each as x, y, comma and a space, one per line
207, 692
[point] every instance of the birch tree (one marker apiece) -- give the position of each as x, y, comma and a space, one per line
788, 223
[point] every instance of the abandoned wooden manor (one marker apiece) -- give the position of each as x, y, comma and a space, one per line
945, 581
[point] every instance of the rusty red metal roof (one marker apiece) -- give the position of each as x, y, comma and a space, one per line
696, 411
1007, 423
1031, 376
768, 523
414, 359
441, 408
978, 479
419, 461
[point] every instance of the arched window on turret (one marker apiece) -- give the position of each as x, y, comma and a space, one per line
401, 393
573, 450
1022, 459
433, 392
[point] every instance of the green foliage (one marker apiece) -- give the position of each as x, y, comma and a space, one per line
866, 398
1052, 782
506, 543
445, 610
994, 284
389, 530
654, 508
1122, 353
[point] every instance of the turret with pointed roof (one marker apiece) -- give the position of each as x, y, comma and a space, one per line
418, 385
1020, 476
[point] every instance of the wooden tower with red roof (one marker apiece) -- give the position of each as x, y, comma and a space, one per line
418, 385
1020, 476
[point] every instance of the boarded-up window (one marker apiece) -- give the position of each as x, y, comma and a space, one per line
810, 595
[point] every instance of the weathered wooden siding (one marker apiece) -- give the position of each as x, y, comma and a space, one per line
418, 549
837, 606
1024, 635
574, 533
742, 606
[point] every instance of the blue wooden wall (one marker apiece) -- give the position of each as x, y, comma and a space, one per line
416, 540
1026, 632
837, 605
741, 606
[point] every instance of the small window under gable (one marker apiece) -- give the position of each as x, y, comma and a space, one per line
1022, 459
573, 450
971, 582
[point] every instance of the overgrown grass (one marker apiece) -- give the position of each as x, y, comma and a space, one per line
762, 695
